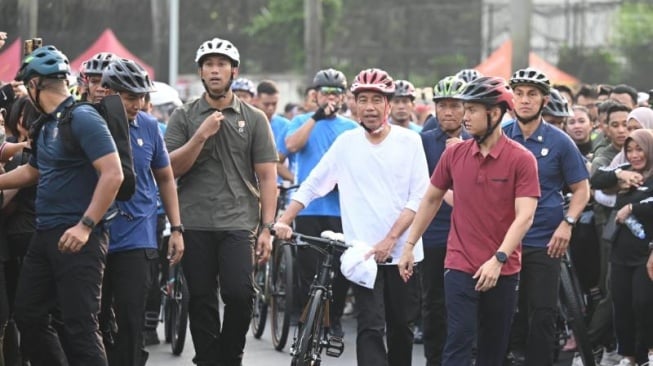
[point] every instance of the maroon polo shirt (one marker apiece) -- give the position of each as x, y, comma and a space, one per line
484, 191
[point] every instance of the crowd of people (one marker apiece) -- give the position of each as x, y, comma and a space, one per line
468, 211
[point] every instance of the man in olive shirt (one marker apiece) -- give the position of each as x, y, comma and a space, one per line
223, 153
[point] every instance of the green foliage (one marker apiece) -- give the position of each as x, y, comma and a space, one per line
590, 66
634, 38
281, 24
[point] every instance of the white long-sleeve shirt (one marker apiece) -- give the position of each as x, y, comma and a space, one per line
376, 182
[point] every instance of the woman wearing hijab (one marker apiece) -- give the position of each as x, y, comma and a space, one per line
632, 288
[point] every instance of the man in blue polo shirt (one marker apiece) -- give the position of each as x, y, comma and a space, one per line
64, 264
133, 237
560, 164
268, 94
449, 110
309, 137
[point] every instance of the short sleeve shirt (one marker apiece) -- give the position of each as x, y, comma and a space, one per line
220, 191
67, 179
484, 189
559, 164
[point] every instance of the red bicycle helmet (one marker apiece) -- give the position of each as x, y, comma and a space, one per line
375, 80
489, 90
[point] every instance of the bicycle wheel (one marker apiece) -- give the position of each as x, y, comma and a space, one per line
260, 313
570, 297
309, 331
178, 310
281, 300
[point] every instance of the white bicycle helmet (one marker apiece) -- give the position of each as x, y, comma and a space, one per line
217, 46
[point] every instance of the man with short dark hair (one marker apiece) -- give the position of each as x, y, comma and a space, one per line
268, 98
624, 94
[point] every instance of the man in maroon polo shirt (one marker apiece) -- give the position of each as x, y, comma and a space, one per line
495, 185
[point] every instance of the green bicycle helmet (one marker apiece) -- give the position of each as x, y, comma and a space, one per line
45, 61
448, 88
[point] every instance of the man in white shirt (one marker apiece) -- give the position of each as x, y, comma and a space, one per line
381, 174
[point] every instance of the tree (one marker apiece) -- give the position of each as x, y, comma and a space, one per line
634, 38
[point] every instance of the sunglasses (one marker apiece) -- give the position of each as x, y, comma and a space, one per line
331, 90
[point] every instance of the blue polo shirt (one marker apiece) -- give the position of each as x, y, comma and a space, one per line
279, 125
67, 179
431, 123
135, 225
559, 164
319, 141
434, 142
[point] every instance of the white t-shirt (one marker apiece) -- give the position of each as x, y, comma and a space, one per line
376, 182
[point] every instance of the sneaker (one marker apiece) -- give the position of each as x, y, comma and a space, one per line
418, 335
650, 360
626, 362
515, 358
570, 345
150, 338
610, 358
577, 360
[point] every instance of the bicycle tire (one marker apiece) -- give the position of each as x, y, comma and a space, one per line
260, 310
281, 301
570, 298
309, 332
178, 312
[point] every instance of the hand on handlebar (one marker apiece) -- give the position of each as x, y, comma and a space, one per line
282, 231
381, 250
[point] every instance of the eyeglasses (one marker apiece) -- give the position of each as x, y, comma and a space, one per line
331, 90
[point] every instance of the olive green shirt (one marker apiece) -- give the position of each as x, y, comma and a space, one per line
220, 190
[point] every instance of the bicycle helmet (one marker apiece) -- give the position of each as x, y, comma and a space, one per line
557, 106
217, 46
330, 78
531, 76
45, 61
404, 88
468, 75
375, 80
128, 76
488, 90
448, 88
96, 64
244, 84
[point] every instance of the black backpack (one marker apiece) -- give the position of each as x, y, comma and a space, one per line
113, 112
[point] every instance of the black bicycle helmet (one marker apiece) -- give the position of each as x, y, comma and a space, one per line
404, 88
331, 78
96, 64
45, 61
531, 76
557, 106
128, 76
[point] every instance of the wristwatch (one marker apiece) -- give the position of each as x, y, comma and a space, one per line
88, 222
570, 220
178, 228
269, 226
501, 257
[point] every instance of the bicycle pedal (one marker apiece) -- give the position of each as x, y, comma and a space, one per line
335, 347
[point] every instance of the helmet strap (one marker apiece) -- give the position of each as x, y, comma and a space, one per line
218, 96
480, 139
536, 117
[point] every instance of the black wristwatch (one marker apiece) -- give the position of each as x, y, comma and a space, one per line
179, 228
570, 220
88, 222
501, 257
650, 246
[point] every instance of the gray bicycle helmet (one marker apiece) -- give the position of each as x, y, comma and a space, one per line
331, 78
244, 84
489, 90
96, 64
128, 76
531, 76
448, 88
468, 75
404, 88
557, 106
45, 61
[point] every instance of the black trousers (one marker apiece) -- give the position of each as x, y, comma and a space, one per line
434, 312
70, 283
225, 258
534, 326
160, 267
308, 261
388, 310
127, 280
18, 244
632, 295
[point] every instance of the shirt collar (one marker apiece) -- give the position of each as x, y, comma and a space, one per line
538, 135
65, 104
206, 107
496, 150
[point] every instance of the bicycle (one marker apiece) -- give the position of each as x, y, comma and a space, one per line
312, 334
273, 290
282, 284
